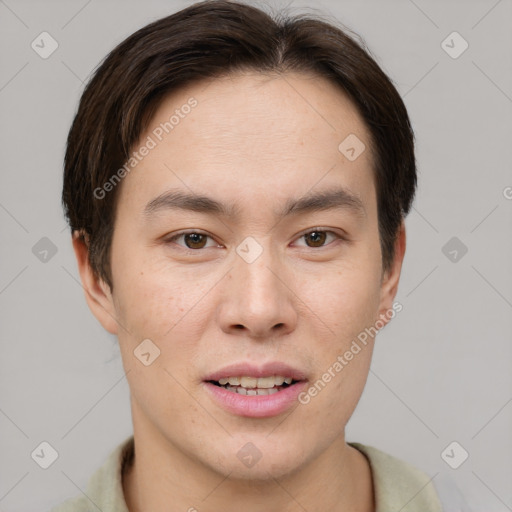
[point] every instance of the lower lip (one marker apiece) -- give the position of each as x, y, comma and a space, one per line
256, 406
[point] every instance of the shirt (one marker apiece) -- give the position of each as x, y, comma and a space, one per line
397, 485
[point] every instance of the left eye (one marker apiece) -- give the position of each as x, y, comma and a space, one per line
197, 240
318, 237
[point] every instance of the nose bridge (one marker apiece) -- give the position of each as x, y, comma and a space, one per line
257, 298
256, 268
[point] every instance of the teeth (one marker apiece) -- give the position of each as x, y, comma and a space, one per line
248, 382
253, 392
252, 382
233, 381
266, 382
270, 391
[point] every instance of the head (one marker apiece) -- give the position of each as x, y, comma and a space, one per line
236, 186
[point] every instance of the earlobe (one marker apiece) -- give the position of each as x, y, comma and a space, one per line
97, 292
391, 278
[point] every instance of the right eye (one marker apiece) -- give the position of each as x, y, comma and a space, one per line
194, 240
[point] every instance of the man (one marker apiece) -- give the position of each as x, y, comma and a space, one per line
236, 188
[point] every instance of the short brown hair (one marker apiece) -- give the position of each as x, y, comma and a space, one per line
212, 39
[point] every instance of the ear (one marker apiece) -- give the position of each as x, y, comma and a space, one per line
97, 292
391, 277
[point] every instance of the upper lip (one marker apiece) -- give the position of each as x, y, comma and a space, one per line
245, 369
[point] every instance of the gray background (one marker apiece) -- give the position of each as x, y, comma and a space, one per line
442, 368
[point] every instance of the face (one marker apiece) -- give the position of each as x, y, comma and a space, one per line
257, 280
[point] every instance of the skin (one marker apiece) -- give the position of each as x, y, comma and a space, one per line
257, 141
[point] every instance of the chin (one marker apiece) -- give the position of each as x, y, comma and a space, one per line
261, 472
258, 460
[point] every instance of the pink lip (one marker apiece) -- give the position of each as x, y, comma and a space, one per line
257, 406
251, 370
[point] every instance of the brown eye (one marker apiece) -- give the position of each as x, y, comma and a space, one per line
191, 240
317, 238
195, 240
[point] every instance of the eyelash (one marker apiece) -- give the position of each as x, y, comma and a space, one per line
197, 232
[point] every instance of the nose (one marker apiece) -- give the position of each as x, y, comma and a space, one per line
258, 299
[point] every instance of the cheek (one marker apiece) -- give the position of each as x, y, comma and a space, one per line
345, 301
342, 360
153, 301
169, 306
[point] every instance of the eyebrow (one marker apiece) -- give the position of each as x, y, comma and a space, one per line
338, 198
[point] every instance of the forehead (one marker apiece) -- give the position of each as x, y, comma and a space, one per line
249, 131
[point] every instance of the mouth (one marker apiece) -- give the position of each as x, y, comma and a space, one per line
255, 391
255, 386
